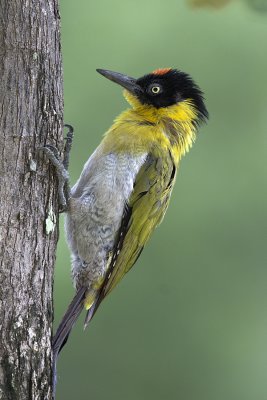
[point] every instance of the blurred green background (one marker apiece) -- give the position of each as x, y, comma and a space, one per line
190, 320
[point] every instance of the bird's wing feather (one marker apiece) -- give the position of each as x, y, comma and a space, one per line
145, 209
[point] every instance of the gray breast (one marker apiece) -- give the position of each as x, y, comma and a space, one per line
96, 207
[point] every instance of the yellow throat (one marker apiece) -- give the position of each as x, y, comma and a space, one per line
143, 127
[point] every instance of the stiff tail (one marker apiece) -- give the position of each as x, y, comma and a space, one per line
69, 319
59, 340
92, 310
90, 313
72, 314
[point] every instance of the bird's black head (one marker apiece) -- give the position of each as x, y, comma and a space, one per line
162, 88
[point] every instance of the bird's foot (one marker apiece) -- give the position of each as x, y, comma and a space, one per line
61, 168
68, 145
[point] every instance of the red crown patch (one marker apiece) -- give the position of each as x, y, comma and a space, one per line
161, 71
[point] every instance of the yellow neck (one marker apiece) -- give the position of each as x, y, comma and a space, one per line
170, 128
183, 111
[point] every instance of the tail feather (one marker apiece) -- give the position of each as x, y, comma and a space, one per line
90, 313
65, 326
68, 320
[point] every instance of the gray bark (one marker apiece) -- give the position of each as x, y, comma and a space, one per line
31, 113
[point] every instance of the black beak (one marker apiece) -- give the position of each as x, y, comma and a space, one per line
125, 81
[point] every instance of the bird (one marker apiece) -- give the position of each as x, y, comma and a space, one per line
125, 186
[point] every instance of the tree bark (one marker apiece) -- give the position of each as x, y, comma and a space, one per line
31, 114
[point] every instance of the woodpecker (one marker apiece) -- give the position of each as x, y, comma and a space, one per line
124, 189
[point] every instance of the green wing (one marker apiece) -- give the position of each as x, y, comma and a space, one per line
144, 211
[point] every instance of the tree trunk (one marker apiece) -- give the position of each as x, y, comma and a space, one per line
31, 113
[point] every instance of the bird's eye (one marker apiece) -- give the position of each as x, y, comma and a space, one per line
155, 89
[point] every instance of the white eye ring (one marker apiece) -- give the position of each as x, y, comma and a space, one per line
155, 89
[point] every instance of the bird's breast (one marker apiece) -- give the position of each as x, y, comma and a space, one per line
97, 204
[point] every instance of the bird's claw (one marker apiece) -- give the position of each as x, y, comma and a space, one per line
52, 154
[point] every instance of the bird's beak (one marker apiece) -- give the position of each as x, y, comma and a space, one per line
125, 81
